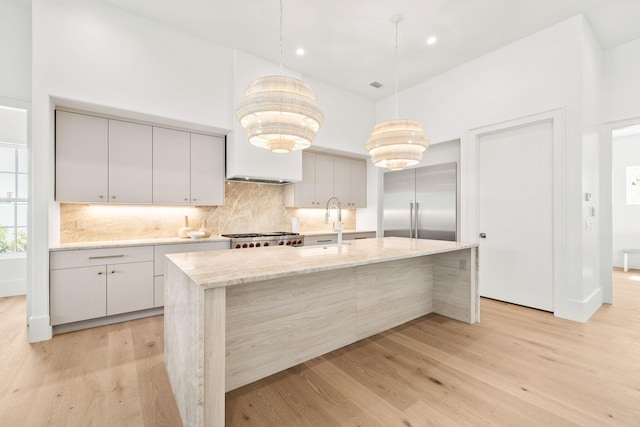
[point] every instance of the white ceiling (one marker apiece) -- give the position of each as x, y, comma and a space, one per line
350, 43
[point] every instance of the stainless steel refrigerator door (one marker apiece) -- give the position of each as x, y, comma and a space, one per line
436, 207
399, 195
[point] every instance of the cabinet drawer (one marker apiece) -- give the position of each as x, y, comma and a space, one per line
325, 239
360, 235
161, 250
92, 257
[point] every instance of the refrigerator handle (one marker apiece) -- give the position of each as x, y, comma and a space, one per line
410, 219
416, 219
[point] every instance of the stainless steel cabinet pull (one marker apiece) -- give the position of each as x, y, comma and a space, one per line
106, 256
324, 241
483, 235
102, 197
113, 272
113, 197
410, 219
358, 238
100, 273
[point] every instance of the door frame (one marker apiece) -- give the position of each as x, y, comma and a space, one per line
470, 160
606, 204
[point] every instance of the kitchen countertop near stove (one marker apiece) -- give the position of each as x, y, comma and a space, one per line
213, 269
327, 232
137, 242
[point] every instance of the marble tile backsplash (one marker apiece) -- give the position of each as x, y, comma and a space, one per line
249, 207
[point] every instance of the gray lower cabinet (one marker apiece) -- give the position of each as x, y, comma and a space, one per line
161, 250
92, 283
332, 238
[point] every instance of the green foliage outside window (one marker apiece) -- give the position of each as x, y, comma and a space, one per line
9, 245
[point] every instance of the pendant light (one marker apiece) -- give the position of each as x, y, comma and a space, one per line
397, 143
280, 113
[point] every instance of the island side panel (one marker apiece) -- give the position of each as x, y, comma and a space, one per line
183, 350
275, 324
392, 293
214, 356
455, 285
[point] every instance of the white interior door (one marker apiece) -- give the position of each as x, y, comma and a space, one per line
515, 213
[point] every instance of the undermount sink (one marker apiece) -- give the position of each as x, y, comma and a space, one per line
324, 249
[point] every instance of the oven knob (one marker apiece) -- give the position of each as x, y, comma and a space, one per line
258, 245
266, 243
238, 245
289, 242
299, 242
281, 242
251, 245
244, 245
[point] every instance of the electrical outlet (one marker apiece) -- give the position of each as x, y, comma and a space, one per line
156, 226
80, 224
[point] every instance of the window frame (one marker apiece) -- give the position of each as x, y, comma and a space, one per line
15, 200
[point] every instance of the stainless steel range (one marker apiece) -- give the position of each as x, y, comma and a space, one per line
257, 240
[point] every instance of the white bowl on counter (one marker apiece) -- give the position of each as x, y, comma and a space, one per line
195, 235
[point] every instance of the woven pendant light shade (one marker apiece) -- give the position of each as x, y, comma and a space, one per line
280, 113
397, 144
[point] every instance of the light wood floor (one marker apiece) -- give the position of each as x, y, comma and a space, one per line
517, 367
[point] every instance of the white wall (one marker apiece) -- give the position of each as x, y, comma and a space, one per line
89, 53
622, 82
539, 73
15, 91
626, 226
15, 47
591, 95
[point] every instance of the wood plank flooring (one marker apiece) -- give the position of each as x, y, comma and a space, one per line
519, 367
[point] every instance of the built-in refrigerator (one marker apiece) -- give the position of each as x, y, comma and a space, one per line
421, 202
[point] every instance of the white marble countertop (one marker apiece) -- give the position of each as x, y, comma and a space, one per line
214, 269
137, 242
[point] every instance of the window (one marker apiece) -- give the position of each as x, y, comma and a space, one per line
633, 185
13, 197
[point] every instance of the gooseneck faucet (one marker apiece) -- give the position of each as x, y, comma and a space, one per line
337, 227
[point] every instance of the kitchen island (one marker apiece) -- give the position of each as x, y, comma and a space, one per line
233, 317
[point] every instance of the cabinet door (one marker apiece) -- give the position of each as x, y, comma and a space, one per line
307, 193
77, 294
129, 287
171, 165
81, 158
342, 180
130, 162
358, 179
158, 291
207, 170
324, 179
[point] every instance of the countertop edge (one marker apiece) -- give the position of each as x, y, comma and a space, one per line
132, 243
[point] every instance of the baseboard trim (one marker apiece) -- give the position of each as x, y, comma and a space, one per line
40, 328
10, 288
102, 321
582, 310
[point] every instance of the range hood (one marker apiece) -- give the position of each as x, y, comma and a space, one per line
246, 162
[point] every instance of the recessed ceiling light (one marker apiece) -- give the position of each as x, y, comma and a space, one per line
432, 40
300, 51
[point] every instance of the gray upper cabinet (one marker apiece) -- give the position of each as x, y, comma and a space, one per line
100, 160
207, 170
171, 167
82, 152
325, 175
130, 162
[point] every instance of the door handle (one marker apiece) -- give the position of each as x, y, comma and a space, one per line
410, 219
416, 220
483, 235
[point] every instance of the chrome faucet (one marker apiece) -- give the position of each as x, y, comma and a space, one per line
337, 228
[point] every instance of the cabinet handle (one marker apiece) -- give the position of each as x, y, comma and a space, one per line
113, 272
186, 200
100, 273
324, 241
106, 256
194, 199
113, 197
101, 197
358, 238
